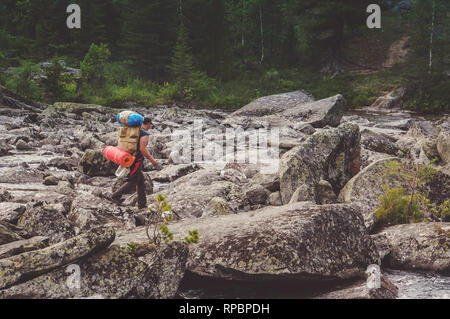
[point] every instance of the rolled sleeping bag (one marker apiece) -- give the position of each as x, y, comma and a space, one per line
129, 118
118, 156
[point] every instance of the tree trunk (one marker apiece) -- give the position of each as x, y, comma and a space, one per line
262, 33
334, 63
433, 14
243, 23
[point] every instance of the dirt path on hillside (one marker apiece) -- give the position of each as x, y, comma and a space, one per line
397, 53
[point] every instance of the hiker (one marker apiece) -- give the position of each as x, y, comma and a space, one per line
135, 178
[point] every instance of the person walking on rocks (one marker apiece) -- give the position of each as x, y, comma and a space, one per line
136, 179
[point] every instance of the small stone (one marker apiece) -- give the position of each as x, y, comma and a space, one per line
22, 145
51, 180
325, 193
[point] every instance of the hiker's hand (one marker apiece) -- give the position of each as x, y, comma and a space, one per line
157, 167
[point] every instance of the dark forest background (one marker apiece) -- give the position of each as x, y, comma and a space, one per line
224, 53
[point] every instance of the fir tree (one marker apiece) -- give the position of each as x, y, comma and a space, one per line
181, 67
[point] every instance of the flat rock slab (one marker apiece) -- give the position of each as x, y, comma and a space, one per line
33, 263
111, 273
8, 234
173, 172
21, 246
320, 113
274, 104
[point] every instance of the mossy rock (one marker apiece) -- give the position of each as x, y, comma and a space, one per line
93, 163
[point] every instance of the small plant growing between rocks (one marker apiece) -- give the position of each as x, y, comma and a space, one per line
404, 205
159, 217
193, 237
443, 211
130, 248
438, 229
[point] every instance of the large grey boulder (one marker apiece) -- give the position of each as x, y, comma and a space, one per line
332, 155
443, 146
421, 246
11, 212
93, 163
366, 187
420, 142
320, 113
191, 194
274, 104
379, 142
257, 194
46, 220
33, 263
88, 210
289, 241
166, 269
268, 181
301, 241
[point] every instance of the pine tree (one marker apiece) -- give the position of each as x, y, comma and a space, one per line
148, 34
181, 66
322, 25
428, 83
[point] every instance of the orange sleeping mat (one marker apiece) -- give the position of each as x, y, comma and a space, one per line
118, 156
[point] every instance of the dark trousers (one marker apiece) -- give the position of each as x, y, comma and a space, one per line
135, 180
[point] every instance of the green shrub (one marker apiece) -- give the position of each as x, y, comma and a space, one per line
138, 91
443, 211
118, 73
130, 248
70, 92
53, 80
362, 99
200, 87
168, 92
93, 65
270, 79
22, 81
404, 205
396, 207
193, 237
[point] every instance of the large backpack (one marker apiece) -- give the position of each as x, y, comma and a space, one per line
129, 130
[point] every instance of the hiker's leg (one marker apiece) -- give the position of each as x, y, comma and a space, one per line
125, 188
132, 179
140, 188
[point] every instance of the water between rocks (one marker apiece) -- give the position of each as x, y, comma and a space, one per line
423, 285
411, 285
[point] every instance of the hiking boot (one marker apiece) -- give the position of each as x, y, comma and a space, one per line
109, 197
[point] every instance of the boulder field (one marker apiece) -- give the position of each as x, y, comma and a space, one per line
309, 222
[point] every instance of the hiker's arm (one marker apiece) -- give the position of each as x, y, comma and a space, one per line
144, 150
